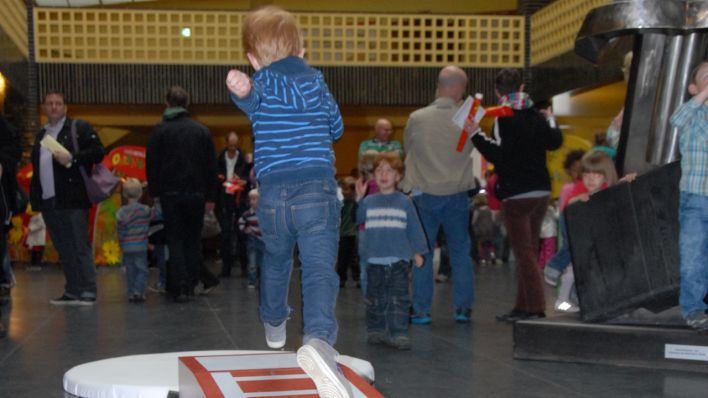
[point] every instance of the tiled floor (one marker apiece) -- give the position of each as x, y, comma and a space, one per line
447, 360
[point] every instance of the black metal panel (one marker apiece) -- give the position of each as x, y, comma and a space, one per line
565, 339
146, 84
624, 244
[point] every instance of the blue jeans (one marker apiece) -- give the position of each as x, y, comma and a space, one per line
256, 249
136, 270
363, 279
452, 213
693, 251
69, 229
561, 259
306, 213
388, 303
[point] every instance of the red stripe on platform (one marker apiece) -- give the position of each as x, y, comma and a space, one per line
274, 385
267, 372
206, 382
360, 383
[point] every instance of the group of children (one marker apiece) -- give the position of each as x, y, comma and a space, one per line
138, 224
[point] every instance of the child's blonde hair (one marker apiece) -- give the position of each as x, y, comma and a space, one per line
349, 182
132, 188
599, 162
270, 34
253, 193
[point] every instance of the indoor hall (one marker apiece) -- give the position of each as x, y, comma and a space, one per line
115, 61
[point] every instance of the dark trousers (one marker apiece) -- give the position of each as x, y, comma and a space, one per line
389, 303
228, 222
347, 258
68, 229
184, 219
523, 218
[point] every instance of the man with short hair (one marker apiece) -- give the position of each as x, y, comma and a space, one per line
232, 201
439, 178
58, 191
382, 142
181, 174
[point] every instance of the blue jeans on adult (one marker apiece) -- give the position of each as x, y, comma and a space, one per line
561, 260
68, 229
452, 213
305, 212
693, 251
256, 248
184, 219
136, 270
388, 304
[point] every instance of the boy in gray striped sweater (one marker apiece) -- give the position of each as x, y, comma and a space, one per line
294, 120
394, 239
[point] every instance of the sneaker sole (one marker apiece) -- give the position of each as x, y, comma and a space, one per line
67, 303
327, 383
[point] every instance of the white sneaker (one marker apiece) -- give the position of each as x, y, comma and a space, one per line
275, 335
565, 306
319, 360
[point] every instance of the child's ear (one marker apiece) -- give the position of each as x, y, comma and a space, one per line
254, 61
692, 89
302, 53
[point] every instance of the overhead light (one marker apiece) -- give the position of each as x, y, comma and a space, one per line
186, 32
3, 84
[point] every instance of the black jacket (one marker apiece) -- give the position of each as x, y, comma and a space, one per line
519, 152
241, 169
10, 154
180, 158
68, 183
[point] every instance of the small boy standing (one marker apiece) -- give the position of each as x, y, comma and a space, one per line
347, 258
294, 120
691, 119
248, 225
394, 237
133, 225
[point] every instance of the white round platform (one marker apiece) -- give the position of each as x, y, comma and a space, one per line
153, 375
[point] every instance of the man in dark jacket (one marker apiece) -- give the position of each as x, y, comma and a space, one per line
231, 202
58, 191
518, 151
181, 174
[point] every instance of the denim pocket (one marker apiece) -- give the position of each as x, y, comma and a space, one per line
267, 221
311, 217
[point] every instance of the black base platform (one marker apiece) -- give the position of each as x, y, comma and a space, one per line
567, 339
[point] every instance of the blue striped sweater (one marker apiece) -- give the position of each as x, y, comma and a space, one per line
294, 118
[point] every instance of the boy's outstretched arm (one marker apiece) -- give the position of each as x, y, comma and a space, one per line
241, 89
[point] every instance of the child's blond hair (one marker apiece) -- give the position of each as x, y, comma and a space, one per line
271, 34
599, 162
132, 188
253, 193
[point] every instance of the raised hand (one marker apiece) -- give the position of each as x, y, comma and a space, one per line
238, 83
360, 188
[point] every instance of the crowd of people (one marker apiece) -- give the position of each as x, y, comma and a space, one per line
380, 226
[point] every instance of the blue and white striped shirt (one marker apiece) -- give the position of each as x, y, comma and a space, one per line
294, 117
691, 119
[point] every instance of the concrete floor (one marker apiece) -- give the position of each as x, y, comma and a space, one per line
447, 360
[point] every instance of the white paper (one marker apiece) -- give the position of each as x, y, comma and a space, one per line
460, 117
53, 145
